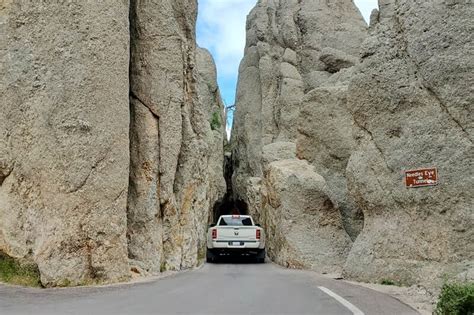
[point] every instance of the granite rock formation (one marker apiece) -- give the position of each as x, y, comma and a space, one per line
112, 138
303, 225
412, 104
64, 138
298, 56
111, 133
361, 109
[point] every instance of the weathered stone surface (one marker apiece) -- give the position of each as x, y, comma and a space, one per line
213, 183
180, 158
278, 151
64, 138
336, 60
78, 137
292, 48
303, 224
412, 106
145, 223
325, 140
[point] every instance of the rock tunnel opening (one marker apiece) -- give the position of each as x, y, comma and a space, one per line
228, 204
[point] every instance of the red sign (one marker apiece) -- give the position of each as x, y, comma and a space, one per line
422, 177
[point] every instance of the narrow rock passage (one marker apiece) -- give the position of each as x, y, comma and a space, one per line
214, 289
229, 206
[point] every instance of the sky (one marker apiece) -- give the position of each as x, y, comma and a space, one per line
221, 29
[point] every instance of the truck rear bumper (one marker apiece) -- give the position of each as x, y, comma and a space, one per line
236, 245
235, 251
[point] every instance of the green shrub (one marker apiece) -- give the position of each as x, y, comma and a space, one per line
12, 271
163, 267
456, 299
215, 121
388, 282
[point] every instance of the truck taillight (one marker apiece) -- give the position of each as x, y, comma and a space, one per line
257, 234
214, 234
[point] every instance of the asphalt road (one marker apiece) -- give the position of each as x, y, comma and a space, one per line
225, 288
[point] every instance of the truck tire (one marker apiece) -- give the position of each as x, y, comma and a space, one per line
210, 257
261, 256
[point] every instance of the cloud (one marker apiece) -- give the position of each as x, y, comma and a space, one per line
221, 29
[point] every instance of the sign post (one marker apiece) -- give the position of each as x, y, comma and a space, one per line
421, 177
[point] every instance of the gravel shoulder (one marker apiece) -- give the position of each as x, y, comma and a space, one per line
415, 296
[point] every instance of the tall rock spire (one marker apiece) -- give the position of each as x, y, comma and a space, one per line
298, 57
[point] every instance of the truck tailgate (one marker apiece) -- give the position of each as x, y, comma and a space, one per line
239, 233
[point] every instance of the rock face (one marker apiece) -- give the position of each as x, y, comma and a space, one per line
291, 98
111, 139
213, 107
303, 224
177, 138
325, 140
412, 106
303, 94
64, 138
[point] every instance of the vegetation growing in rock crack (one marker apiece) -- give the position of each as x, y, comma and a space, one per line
215, 121
456, 299
14, 272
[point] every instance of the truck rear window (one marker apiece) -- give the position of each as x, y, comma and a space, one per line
235, 221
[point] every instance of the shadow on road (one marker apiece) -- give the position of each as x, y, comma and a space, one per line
236, 259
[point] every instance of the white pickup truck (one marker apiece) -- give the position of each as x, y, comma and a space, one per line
235, 234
